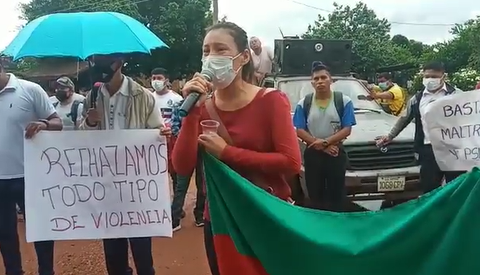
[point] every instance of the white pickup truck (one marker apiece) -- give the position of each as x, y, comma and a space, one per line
391, 174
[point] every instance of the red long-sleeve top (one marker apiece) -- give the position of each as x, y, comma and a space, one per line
265, 143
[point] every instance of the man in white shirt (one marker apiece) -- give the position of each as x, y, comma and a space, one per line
262, 57
167, 101
122, 103
68, 109
26, 110
165, 98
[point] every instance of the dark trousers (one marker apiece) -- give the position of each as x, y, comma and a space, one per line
180, 192
170, 144
12, 193
430, 174
174, 177
116, 256
210, 249
325, 179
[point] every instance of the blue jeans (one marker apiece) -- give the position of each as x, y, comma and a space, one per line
180, 192
12, 193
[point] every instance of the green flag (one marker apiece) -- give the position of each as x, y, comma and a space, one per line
258, 234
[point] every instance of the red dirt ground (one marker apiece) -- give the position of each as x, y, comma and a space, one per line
182, 255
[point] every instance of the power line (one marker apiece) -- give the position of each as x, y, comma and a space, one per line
129, 2
391, 22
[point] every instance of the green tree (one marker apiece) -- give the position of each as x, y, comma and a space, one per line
401, 40
462, 51
37, 8
372, 46
416, 48
179, 23
467, 39
465, 79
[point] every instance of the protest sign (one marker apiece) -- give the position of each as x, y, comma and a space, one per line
96, 185
453, 124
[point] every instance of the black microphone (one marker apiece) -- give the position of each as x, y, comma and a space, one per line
194, 96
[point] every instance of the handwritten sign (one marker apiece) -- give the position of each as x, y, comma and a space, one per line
453, 124
96, 185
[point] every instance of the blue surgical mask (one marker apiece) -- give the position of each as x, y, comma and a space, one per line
222, 69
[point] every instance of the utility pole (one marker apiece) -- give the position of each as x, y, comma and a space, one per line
215, 11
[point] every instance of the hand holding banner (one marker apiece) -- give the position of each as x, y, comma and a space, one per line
96, 184
453, 124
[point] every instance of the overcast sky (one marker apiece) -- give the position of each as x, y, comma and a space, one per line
264, 18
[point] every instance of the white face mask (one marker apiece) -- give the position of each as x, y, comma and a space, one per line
222, 69
158, 85
432, 84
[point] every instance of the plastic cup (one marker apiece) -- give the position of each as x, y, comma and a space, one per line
209, 126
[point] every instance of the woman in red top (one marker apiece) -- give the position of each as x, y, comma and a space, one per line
263, 144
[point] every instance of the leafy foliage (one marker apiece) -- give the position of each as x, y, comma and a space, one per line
462, 51
415, 48
372, 46
38, 8
465, 79
180, 23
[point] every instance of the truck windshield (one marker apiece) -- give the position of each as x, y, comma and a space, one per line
297, 89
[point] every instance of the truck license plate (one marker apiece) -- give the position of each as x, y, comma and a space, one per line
386, 184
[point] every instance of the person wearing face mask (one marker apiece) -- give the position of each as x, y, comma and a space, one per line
165, 98
391, 96
166, 101
256, 136
69, 109
122, 103
78, 97
431, 176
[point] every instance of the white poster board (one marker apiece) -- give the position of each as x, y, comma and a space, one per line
96, 185
453, 124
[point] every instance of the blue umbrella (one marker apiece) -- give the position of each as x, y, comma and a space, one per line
82, 35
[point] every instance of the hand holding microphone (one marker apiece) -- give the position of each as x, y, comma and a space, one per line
195, 91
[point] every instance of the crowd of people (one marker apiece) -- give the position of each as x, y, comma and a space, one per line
256, 137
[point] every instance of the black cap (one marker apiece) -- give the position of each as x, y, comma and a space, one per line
318, 65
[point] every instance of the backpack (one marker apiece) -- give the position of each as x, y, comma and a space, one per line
337, 100
73, 115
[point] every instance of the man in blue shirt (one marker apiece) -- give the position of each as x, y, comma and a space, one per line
323, 121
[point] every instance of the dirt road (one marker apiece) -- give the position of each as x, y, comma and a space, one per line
184, 254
